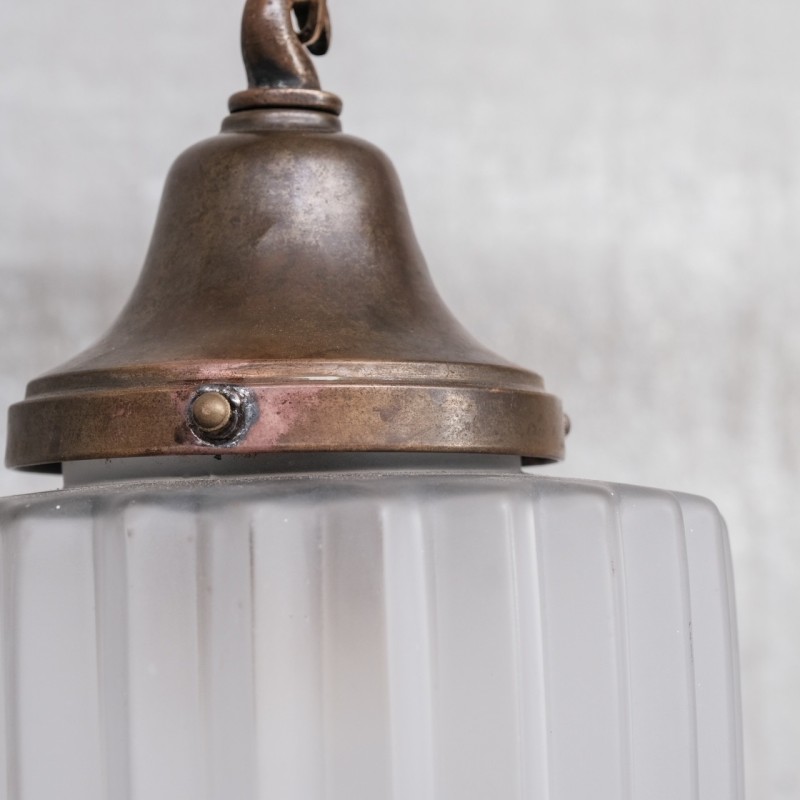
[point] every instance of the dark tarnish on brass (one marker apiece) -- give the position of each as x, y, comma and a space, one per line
284, 276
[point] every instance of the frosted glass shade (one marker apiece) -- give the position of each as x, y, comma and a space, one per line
407, 635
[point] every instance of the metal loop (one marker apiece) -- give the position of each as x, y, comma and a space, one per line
314, 21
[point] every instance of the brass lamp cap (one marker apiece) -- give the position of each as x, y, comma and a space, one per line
284, 305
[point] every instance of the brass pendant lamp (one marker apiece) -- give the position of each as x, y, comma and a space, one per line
284, 305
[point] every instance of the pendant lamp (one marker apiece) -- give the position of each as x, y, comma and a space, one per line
296, 556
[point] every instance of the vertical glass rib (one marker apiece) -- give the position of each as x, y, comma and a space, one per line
287, 648
356, 717
689, 671
735, 696
715, 665
585, 728
10, 711
408, 646
56, 679
111, 632
616, 547
538, 689
164, 680
531, 687
225, 651
476, 711
659, 623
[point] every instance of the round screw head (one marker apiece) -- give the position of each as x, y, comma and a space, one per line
211, 412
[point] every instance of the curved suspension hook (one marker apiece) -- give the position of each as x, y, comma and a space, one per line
274, 51
277, 37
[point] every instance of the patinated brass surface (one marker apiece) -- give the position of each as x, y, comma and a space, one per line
284, 275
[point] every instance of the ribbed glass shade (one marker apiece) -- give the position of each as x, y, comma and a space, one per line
397, 635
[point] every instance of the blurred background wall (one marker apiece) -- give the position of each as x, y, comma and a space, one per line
607, 191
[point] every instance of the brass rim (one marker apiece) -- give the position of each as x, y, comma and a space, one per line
158, 421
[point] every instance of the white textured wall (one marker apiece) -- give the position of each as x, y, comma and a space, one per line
608, 191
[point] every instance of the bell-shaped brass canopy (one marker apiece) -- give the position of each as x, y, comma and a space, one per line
284, 306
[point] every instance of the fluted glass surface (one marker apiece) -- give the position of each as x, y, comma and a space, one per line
429, 635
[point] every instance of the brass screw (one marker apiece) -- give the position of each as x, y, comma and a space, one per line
211, 412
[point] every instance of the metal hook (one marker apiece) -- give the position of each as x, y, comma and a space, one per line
315, 25
277, 36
